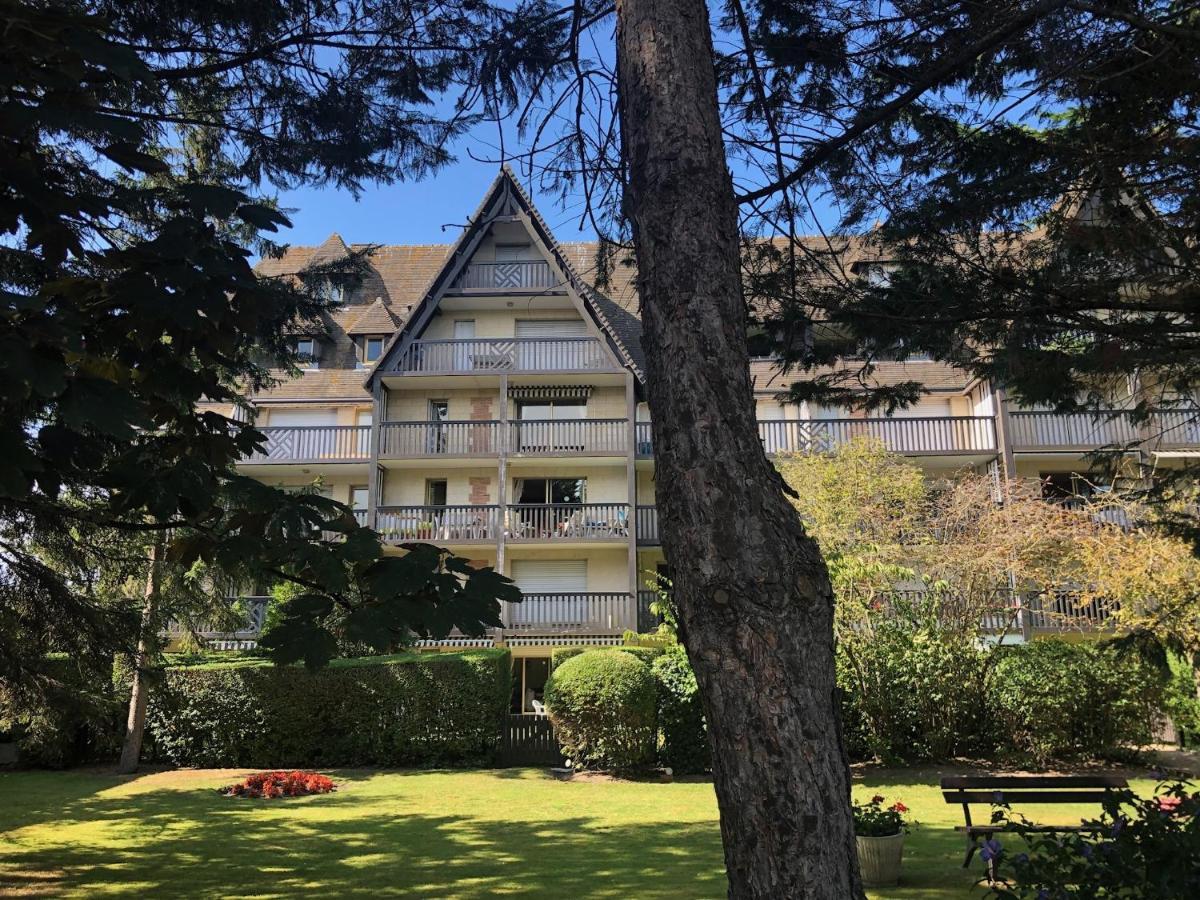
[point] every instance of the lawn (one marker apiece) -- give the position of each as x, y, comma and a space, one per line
471, 834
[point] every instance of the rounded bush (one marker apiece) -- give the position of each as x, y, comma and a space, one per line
602, 705
683, 746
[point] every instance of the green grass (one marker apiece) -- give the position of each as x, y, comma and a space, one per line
473, 834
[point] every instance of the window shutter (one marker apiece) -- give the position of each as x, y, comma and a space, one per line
550, 576
551, 328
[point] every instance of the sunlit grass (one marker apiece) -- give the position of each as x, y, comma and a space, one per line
472, 834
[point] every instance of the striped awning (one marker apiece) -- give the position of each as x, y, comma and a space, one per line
550, 392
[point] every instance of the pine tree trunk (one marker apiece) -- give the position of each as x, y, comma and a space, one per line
754, 600
135, 723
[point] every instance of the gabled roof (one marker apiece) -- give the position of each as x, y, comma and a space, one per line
331, 251
617, 324
375, 319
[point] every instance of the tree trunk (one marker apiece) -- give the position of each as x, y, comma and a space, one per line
135, 723
753, 595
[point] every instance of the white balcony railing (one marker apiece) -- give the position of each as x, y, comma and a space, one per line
546, 436
449, 357
581, 612
314, 443
468, 438
521, 275
563, 522
449, 524
1082, 431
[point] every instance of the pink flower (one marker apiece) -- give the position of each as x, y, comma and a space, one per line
899, 807
1169, 805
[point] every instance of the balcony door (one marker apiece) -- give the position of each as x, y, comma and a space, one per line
464, 330
439, 412
539, 430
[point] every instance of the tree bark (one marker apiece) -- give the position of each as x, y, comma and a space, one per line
135, 723
754, 601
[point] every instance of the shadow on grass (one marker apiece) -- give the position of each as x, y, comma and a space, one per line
197, 843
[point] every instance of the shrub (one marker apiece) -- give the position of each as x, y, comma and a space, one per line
873, 819
602, 705
1145, 847
413, 709
270, 785
1058, 699
915, 693
560, 655
71, 716
683, 743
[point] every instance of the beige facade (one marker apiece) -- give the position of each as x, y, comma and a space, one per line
507, 420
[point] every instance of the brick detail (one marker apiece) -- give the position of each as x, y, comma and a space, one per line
481, 409
481, 491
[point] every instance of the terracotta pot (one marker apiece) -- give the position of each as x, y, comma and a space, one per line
879, 859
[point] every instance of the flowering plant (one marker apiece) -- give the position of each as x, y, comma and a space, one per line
1143, 847
872, 819
280, 784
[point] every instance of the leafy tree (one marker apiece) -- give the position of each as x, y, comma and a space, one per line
131, 313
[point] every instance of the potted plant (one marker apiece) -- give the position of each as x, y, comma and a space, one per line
879, 833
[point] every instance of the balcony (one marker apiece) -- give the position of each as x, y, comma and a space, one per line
484, 356
416, 439
314, 444
523, 275
546, 437
567, 522
438, 524
588, 613
1032, 431
647, 524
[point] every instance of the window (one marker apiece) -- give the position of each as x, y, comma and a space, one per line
550, 490
329, 290
358, 497
435, 492
306, 350
551, 409
370, 349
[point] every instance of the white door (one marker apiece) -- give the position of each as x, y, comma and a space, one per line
564, 580
772, 429
464, 330
554, 344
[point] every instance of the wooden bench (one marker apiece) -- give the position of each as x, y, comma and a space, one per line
995, 790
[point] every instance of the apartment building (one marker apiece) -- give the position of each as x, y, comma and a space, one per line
486, 396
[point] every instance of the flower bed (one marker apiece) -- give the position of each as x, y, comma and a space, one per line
281, 784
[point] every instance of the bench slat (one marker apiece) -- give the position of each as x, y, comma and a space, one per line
1033, 781
1017, 796
1041, 829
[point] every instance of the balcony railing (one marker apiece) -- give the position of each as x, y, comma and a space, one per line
253, 612
644, 438
546, 436
449, 524
1081, 431
940, 434
503, 355
314, 443
588, 612
560, 522
1176, 428
506, 276
647, 524
473, 438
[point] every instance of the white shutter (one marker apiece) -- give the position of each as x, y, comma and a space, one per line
928, 407
298, 417
550, 576
551, 328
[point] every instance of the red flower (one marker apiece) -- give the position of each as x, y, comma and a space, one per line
878, 798
1169, 804
281, 784
899, 807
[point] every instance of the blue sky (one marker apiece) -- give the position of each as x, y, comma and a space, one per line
409, 212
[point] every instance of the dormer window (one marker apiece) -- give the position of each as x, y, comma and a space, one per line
370, 348
329, 290
307, 352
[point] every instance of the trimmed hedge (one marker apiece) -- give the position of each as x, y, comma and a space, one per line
1059, 700
603, 707
560, 655
435, 709
683, 735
